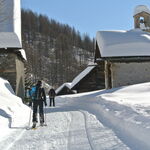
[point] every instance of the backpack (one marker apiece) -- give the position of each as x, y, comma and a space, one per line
33, 92
52, 93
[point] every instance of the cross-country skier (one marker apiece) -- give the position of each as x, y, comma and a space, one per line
52, 95
38, 97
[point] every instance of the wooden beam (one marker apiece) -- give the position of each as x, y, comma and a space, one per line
7, 70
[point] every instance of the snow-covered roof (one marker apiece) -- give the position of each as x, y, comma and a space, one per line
92, 64
141, 8
68, 84
123, 43
23, 54
82, 75
9, 40
10, 17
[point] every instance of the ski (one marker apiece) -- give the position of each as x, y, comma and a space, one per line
31, 128
34, 128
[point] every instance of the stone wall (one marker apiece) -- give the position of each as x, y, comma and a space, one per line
129, 73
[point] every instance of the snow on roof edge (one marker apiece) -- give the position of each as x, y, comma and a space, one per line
120, 43
23, 54
9, 40
67, 84
141, 8
82, 75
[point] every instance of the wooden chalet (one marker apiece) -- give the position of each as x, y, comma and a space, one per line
64, 89
125, 54
89, 79
12, 58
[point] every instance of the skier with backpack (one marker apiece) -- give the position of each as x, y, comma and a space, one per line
52, 95
38, 98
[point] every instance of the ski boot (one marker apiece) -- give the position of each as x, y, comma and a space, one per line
41, 124
34, 125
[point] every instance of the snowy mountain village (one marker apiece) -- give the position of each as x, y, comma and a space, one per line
106, 106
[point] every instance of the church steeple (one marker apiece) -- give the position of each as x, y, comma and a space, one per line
142, 17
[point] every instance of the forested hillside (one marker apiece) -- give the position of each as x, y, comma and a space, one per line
56, 52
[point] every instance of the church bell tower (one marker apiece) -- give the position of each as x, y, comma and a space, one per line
142, 18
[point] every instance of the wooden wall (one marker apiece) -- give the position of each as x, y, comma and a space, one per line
8, 68
12, 69
65, 91
95, 80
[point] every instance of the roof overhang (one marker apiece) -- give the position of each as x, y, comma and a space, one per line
10, 41
125, 59
22, 54
65, 85
140, 9
19, 52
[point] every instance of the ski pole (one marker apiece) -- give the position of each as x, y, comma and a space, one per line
45, 116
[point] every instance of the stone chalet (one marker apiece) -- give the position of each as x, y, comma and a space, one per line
125, 55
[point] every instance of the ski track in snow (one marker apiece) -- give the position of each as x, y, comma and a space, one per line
78, 134
14, 138
68, 129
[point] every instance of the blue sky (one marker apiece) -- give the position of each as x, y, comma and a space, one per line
88, 16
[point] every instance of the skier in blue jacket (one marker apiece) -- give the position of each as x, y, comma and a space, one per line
38, 98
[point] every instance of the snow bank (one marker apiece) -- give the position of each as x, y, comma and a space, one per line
126, 110
13, 113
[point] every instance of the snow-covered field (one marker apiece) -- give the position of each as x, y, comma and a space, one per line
116, 119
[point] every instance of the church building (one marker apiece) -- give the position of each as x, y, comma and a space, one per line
125, 54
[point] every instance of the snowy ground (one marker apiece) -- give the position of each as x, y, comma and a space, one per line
116, 119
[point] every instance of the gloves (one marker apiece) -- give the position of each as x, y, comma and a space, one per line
45, 104
30, 104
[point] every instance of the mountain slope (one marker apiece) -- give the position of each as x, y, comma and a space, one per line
56, 52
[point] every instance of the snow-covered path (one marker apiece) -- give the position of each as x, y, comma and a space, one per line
115, 119
68, 129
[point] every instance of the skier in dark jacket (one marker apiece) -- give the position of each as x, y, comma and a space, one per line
52, 95
38, 97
